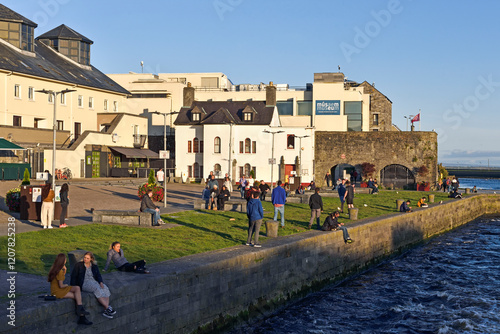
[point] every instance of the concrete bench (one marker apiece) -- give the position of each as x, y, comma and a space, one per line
199, 204
236, 204
122, 217
294, 198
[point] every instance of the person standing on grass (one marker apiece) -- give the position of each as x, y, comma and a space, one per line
228, 184
160, 176
264, 188
63, 195
86, 275
147, 205
278, 198
243, 184
115, 254
60, 290
349, 195
255, 214
342, 191
316, 205
47, 212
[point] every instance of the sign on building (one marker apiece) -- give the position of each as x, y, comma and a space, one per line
328, 107
164, 154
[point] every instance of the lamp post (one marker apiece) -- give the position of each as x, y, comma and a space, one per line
54, 96
272, 154
408, 118
300, 153
165, 148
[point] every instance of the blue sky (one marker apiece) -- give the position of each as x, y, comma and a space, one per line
437, 57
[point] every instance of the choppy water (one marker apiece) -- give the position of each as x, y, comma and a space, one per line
486, 184
449, 285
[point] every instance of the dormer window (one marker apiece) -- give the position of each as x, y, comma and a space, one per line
69, 43
247, 116
196, 117
18, 34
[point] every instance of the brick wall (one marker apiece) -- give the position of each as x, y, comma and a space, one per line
200, 291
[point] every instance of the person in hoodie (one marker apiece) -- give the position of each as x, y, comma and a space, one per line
255, 214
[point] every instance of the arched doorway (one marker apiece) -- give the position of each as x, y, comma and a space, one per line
397, 175
342, 171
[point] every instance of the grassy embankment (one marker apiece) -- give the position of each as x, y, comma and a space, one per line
199, 231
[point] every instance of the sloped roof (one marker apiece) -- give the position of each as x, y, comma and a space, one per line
64, 32
7, 145
223, 112
7, 14
50, 65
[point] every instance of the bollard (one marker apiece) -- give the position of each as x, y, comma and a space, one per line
272, 228
398, 203
75, 256
431, 198
467, 190
353, 213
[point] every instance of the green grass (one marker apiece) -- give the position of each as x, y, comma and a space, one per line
199, 231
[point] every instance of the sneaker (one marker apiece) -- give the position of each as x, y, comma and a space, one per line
349, 241
162, 222
84, 321
107, 314
63, 225
111, 310
50, 226
45, 227
257, 245
247, 244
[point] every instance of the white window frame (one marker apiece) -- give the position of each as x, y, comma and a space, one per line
115, 105
63, 99
17, 91
50, 98
80, 101
31, 93
105, 105
91, 102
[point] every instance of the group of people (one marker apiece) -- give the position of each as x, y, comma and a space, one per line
214, 197
85, 276
47, 210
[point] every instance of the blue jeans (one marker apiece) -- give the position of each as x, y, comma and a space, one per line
242, 192
155, 213
344, 231
281, 210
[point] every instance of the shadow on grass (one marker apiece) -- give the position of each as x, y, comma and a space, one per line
204, 229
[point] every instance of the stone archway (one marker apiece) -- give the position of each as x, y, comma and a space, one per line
397, 176
341, 170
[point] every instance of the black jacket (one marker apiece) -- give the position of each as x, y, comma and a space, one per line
147, 203
330, 223
78, 274
64, 198
316, 202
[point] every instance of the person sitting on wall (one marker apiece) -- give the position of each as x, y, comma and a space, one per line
405, 207
312, 186
300, 190
421, 203
370, 185
375, 188
147, 205
214, 196
455, 194
222, 198
331, 224
474, 189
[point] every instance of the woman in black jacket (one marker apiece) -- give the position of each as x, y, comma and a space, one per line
63, 195
86, 275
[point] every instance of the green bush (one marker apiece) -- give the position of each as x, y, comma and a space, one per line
26, 177
13, 199
151, 177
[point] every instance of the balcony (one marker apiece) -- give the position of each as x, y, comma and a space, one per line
139, 141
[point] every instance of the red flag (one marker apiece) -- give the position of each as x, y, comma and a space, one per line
416, 118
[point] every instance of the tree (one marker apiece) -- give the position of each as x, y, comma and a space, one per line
368, 169
422, 171
151, 177
26, 177
442, 171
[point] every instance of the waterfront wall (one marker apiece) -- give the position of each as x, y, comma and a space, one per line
199, 292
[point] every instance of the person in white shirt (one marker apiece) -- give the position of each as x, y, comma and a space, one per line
160, 176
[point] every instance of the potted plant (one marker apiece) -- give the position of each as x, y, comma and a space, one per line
423, 186
151, 184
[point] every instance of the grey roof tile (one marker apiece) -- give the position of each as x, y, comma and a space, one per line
64, 32
7, 14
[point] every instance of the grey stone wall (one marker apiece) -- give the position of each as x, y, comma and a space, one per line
410, 149
197, 292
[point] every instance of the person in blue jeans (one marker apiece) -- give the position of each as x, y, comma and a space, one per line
243, 184
278, 198
147, 205
255, 214
342, 190
331, 224
205, 195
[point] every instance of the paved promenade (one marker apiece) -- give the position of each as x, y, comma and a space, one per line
101, 194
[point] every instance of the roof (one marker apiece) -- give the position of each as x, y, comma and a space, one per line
131, 153
49, 64
7, 145
223, 112
7, 14
64, 32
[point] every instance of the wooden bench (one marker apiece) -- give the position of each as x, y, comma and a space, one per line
122, 217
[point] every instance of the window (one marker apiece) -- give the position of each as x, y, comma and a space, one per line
63, 99
196, 117
217, 170
201, 146
375, 119
38, 123
254, 147
17, 91
117, 161
304, 108
196, 145
60, 125
241, 146
254, 172
189, 146
10, 32
50, 98
31, 93
16, 121
217, 145
80, 101
241, 171
78, 130
115, 105
196, 170
247, 116
91, 103
105, 104
84, 53
353, 112
248, 144
285, 108
290, 141
247, 170
190, 171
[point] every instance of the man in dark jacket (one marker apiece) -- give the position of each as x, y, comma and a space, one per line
316, 205
331, 224
147, 205
264, 188
255, 214
405, 207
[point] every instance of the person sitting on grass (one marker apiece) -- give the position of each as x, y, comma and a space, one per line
331, 224
455, 194
405, 207
421, 203
60, 290
86, 275
115, 254
147, 205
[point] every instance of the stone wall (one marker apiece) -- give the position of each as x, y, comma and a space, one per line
198, 292
410, 149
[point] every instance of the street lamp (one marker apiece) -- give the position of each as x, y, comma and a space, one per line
408, 118
54, 95
272, 154
300, 153
165, 148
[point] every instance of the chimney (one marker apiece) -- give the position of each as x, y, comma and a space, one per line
188, 95
271, 94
